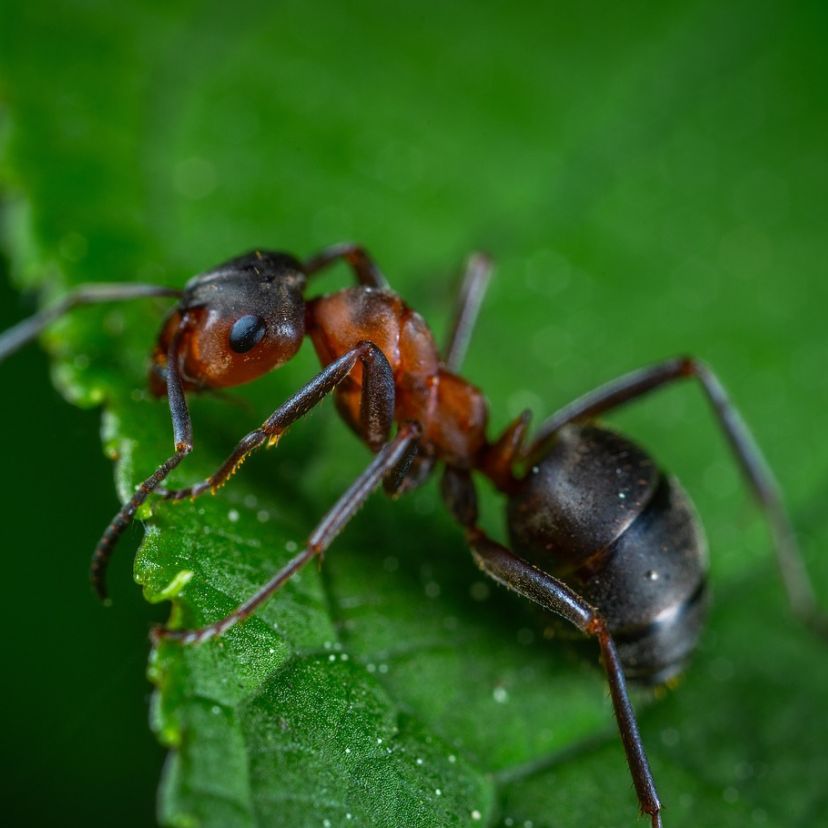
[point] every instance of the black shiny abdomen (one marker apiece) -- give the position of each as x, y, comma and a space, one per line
599, 514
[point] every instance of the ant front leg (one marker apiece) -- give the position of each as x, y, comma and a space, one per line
183, 439
364, 267
750, 459
504, 566
376, 417
392, 457
376, 414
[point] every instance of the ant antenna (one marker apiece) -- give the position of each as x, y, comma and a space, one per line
27, 330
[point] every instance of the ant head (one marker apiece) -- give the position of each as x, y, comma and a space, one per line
235, 322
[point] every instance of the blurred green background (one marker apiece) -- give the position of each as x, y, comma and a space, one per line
650, 178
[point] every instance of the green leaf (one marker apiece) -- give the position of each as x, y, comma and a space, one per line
650, 181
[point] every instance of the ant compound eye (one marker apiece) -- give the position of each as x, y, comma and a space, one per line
246, 333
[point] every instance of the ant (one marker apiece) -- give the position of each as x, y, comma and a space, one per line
600, 535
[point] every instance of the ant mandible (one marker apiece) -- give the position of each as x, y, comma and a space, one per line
602, 537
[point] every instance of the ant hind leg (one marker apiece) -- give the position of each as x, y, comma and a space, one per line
750, 459
510, 570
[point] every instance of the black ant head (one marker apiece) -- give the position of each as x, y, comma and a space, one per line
235, 322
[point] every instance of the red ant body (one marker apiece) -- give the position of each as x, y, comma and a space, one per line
601, 536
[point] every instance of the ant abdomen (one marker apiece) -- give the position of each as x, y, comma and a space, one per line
598, 513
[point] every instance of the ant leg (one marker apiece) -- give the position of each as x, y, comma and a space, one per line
392, 455
183, 439
750, 459
376, 414
476, 278
513, 572
364, 267
504, 566
412, 475
23, 332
